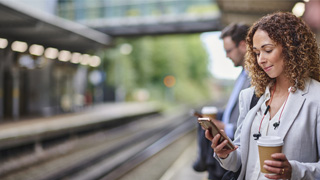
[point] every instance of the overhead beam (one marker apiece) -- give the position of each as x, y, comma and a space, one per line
33, 26
169, 24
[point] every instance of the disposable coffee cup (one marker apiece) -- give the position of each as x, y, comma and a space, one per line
268, 145
209, 112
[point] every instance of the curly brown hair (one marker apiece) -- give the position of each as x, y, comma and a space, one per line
299, 49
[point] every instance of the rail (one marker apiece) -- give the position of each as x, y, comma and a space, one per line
109, 154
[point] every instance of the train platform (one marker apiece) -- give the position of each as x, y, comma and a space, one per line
23, 131
182, 167
17, 133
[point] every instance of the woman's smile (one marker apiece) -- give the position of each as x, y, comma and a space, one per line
268, 68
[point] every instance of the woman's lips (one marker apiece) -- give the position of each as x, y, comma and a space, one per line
267, 68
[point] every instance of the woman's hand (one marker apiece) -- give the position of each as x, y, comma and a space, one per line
219, 148
280, 166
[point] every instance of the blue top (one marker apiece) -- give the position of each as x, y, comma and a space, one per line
232, 101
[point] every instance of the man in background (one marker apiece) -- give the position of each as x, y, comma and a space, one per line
233, 37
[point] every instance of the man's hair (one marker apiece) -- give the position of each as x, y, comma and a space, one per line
237, 32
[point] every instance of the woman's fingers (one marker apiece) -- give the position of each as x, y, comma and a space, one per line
280, 166
279, 156
220, 149
217, 146
277, 164
220, 146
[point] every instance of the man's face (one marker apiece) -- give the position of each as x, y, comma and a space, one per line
235, 53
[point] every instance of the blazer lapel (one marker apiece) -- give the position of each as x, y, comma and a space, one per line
292, 109
246, 128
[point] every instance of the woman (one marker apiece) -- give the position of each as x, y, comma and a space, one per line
283, 62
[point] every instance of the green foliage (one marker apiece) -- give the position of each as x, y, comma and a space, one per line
201, 9
155, 57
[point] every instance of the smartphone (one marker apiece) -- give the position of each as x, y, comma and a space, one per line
207, 124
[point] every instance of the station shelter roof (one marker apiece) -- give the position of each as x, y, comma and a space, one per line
18, 22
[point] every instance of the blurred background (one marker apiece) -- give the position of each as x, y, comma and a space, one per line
76, 74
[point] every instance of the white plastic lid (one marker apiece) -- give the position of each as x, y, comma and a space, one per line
270, 141
209, 110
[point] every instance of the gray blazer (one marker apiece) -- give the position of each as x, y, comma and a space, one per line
300, 132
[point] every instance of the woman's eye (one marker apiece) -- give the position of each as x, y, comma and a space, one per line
268, 51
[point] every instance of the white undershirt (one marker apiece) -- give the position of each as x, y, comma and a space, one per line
267, 129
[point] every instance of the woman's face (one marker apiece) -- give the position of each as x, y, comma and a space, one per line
268, 54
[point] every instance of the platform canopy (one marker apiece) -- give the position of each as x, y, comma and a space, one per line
249, 11
18, 22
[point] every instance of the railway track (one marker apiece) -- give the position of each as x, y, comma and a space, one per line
110, 154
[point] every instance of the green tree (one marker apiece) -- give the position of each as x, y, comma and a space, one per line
152, 59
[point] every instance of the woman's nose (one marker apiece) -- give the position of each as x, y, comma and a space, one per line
261, 59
